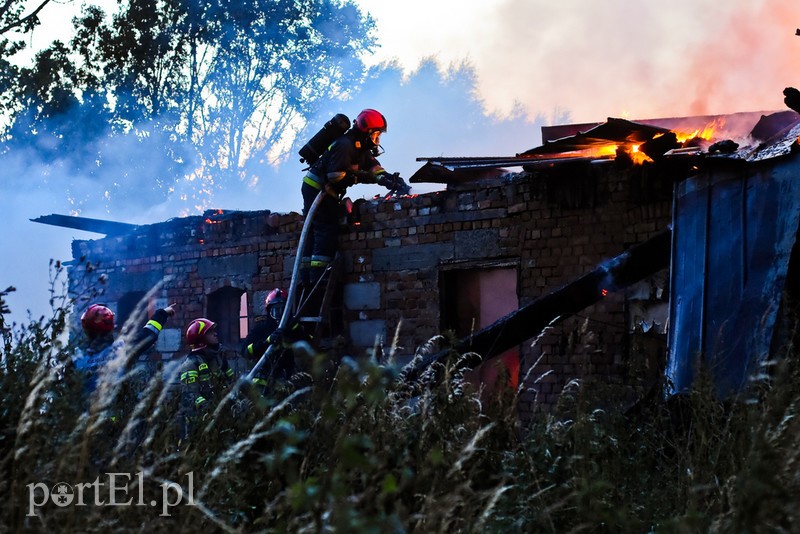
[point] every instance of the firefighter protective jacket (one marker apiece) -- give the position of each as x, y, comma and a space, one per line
281, 363
205, 373
335, 170
93, 357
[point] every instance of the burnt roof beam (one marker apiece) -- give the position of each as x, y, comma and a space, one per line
633, 265
87, 224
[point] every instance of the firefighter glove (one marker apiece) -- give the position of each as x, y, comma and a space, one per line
394, 183
278, 337
363, 177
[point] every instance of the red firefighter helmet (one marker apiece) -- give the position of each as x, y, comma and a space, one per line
276, 300
370, 120
197, 332
97, 320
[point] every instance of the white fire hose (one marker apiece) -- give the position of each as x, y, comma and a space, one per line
287, 311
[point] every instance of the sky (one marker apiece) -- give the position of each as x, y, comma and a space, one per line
605, 58
534, 62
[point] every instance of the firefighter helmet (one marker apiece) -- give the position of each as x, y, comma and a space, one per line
97, 320
370, 120
197, 332
276, 300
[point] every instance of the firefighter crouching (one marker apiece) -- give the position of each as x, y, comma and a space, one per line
349, 160
204, 375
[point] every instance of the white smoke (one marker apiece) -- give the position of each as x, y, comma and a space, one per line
492, 71
615, 58
430, 113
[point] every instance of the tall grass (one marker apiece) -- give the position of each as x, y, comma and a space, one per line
359, 451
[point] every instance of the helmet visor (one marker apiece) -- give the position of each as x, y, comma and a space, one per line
375, 137
275, 311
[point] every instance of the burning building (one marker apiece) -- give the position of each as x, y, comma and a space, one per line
621, 251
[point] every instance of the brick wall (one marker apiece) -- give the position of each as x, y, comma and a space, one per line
552, 226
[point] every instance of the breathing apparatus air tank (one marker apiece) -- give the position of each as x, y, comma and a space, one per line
315, 147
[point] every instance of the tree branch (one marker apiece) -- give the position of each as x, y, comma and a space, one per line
22, 21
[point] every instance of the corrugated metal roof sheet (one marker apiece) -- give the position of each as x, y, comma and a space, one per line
612, 131
756, 137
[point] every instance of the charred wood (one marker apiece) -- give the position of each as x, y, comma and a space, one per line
727, 146
633, 265
659, 145
792, 98
100, 226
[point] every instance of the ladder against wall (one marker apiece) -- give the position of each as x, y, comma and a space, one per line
318, 309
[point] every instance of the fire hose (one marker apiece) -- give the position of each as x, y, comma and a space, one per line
394, 183
290, 298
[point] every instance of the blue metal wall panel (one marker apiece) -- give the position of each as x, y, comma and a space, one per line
687, 281
725, 250
733, 235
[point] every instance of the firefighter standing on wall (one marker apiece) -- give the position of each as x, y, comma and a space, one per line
350, 159
204, 374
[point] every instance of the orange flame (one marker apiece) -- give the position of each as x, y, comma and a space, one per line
637, 156
209, 220
610, 150
706, 132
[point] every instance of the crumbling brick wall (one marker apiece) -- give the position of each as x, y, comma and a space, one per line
552, 228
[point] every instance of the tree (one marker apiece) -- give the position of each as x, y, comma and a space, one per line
172, 89
274, 69
221, 86
66, 130
52, 115
17, 17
